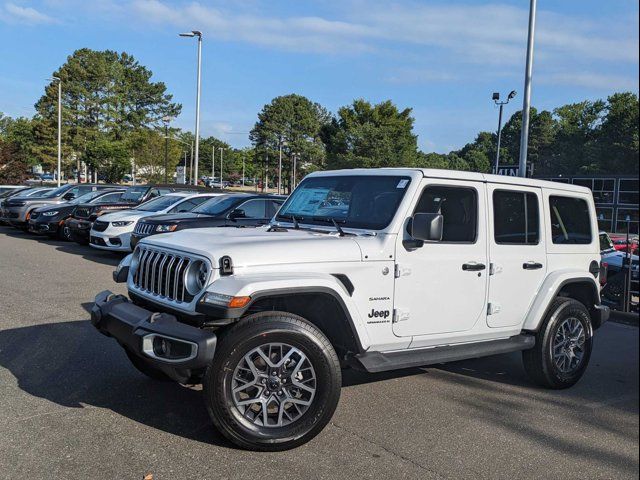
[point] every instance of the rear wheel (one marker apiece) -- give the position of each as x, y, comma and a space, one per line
563, 345
274, 383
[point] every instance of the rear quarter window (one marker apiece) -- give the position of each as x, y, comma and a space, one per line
570, 220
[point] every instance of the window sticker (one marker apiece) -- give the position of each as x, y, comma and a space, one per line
309, 201
402, 183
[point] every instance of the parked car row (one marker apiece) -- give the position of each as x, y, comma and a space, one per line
112, 217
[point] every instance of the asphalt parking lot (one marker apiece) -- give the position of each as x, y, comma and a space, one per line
72, 407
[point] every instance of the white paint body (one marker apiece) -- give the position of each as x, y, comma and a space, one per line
432, 300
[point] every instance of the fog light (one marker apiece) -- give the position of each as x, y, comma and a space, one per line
168, 349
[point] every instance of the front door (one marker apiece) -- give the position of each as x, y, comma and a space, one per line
516, 252
441, 286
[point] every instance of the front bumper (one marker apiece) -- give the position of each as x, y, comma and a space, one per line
145, 334
79, 230
109, 241
44, 227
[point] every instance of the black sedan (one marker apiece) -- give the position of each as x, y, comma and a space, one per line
50, 220
233, 210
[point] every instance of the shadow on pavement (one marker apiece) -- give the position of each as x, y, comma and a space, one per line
72, 365
85, 251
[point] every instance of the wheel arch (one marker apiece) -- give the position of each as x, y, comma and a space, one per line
578, 286
321, 306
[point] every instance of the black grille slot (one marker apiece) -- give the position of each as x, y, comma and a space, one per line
162, 274
143, 228
99, 226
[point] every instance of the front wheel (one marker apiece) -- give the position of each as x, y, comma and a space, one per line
563, 345
274, 382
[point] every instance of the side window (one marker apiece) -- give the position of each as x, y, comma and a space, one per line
153, 193
274, 207
570, 220
253, 209
72, 193
459, 208
516, 218
164, 191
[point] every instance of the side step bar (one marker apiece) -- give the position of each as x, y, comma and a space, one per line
379, 362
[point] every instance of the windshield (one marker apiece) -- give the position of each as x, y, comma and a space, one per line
358, 201
134, 194
56, 192
159, 203
218, 205
86, 197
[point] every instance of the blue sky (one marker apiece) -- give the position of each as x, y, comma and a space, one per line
442, 58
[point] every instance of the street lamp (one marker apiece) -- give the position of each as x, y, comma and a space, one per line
166, 120
526, 102
196, 33
57, 79
496, 100
280, 143
295, 167
221, 149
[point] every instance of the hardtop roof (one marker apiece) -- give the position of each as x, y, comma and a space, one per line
458, 175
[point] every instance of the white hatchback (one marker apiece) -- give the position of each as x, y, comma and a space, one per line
113, 230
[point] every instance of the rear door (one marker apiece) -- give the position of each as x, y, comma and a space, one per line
517, 252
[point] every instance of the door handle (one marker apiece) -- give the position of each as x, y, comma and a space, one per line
473, 267
532, 266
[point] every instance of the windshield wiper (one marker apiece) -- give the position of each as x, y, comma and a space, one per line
334, 222
293, 219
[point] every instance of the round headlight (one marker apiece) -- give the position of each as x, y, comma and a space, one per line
196, 277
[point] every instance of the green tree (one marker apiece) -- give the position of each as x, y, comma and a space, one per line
295, 122
541, 148
368, 136
105, 94
617, 137
111, 158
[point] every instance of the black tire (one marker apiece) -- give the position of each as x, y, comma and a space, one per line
246, 336
64, 233
539, 361
146, 369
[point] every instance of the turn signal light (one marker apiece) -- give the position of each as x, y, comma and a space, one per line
239, 302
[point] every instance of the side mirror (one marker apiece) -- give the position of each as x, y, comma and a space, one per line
427, 227
237, 213
69, 196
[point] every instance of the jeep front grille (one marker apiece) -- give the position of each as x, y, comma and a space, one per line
162, 274
143, 228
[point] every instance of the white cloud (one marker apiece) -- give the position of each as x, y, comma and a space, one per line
12, 13
609, 82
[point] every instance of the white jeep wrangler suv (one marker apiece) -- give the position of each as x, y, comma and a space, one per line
373, 269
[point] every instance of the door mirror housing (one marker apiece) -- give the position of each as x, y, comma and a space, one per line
427, 227
237, 213
69, 196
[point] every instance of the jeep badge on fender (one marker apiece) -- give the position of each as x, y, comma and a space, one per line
268, 333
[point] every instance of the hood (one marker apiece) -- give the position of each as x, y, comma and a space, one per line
257, 246
177, 217
125, 215
61, 207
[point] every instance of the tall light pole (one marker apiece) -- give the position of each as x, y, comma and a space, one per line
526, 102
196, 33
295, 167
496, 100
166, 121
243, 158
57, 79
279, 164
213, 164
221, 150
